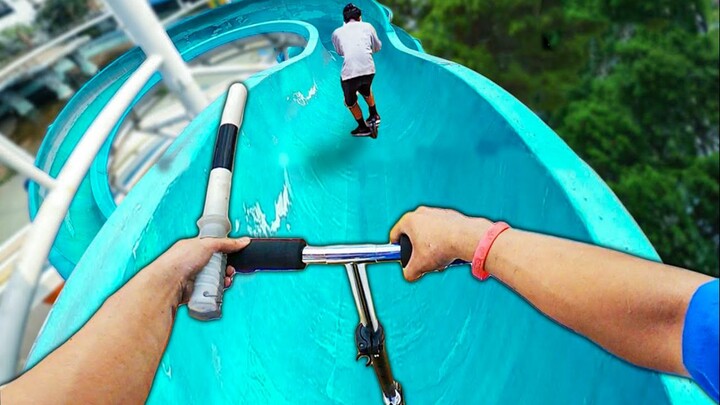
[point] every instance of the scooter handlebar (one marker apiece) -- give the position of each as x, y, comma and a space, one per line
269, 254
294, 254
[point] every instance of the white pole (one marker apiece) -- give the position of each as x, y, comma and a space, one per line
138, 19
20, 161
16, 301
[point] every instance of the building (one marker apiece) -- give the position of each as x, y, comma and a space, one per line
15, 12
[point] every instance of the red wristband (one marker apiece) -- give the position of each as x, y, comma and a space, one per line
483, 249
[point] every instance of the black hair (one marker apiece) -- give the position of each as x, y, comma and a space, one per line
351, 12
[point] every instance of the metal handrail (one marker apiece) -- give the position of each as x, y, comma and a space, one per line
141, 24
20, 161
17, 300
138, 20
17, 63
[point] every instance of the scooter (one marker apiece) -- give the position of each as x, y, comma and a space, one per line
289, 255
295, 255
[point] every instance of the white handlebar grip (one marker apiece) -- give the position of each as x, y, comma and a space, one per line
206, 299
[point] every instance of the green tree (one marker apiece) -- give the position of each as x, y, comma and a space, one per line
631, 86
59, 15
15, 40
647, 121
678, 210
537, 50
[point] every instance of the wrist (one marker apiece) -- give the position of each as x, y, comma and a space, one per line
497, 256
468, 236
483, 249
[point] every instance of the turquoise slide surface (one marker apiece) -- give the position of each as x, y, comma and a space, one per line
450, 137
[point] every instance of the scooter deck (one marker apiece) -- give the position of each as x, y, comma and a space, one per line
374, 127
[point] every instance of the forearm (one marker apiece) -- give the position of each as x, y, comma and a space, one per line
632, 307
113, 358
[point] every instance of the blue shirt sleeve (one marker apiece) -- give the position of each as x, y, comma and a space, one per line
700, 338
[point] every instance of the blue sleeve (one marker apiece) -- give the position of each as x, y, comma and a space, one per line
700, 338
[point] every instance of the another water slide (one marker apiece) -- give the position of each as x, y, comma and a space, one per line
449, 137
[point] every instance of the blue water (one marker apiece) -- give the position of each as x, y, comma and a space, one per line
450, 137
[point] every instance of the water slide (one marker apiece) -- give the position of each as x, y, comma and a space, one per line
450, 137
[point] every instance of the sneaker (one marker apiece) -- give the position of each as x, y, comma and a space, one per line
374, 118
361, 130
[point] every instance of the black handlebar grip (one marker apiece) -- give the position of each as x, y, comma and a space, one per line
405, 250
269, 254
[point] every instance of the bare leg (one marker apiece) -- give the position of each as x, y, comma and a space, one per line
370, 99
356, 111
362, 128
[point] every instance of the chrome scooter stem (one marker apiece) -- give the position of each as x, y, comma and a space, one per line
294, 255
346, 254
369, 334
357, 275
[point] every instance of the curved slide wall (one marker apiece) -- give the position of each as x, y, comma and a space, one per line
449, 137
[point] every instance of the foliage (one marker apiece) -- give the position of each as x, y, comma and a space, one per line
632, 86
679, 209
59, 15
16, 39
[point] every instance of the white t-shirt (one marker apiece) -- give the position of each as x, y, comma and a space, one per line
356, 41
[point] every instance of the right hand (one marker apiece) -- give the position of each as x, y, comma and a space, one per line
439, 237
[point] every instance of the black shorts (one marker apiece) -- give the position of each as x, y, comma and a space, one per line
351, 87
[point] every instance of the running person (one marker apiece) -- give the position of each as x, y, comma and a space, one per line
356, 41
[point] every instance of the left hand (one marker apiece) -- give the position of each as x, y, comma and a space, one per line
187, 257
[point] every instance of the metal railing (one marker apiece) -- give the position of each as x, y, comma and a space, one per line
17, 299
19, 160
24, 257
10, 254
15, 67
141, 23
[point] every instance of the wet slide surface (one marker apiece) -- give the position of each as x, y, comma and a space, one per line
449, 137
